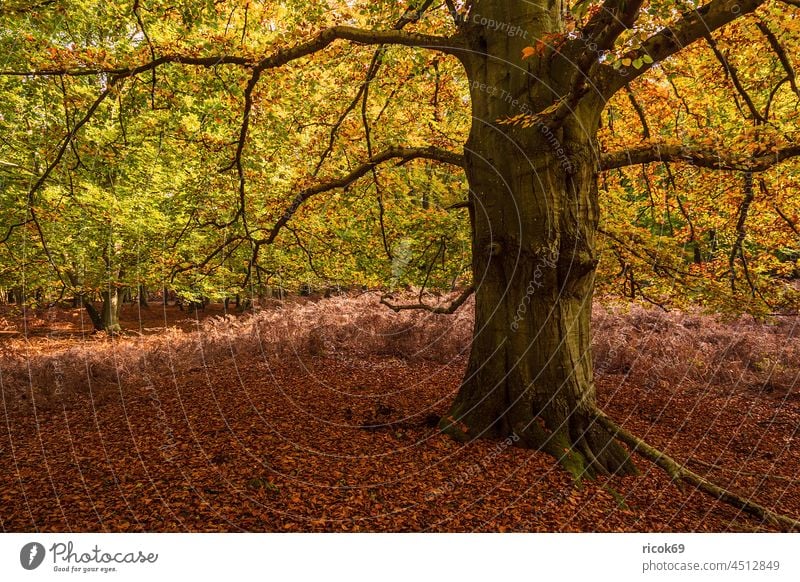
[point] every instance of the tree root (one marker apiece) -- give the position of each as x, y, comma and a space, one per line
737, 472
680, 472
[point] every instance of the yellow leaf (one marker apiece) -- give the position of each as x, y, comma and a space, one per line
528, 52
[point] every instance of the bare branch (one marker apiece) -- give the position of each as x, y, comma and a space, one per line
403, 154
439, 309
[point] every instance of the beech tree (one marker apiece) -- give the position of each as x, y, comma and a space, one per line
539, 75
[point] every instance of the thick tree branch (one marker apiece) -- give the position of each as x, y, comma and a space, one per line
703, 158
402, 154
458, 20
605, 27
691, 27
598, 36
741, 233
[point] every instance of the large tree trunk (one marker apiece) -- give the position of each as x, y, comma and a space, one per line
534, 215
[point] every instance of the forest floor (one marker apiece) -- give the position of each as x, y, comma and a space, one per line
320, 416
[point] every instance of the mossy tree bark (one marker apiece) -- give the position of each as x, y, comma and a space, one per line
534, 214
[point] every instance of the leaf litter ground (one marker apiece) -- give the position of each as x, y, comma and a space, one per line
327, 436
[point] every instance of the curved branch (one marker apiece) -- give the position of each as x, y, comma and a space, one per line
449, 45
65, 144
403, 154
439, 309
703, 158
237, 160
282, 57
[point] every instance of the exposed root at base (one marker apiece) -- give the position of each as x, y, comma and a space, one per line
587, 453
680, 472
584, 451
